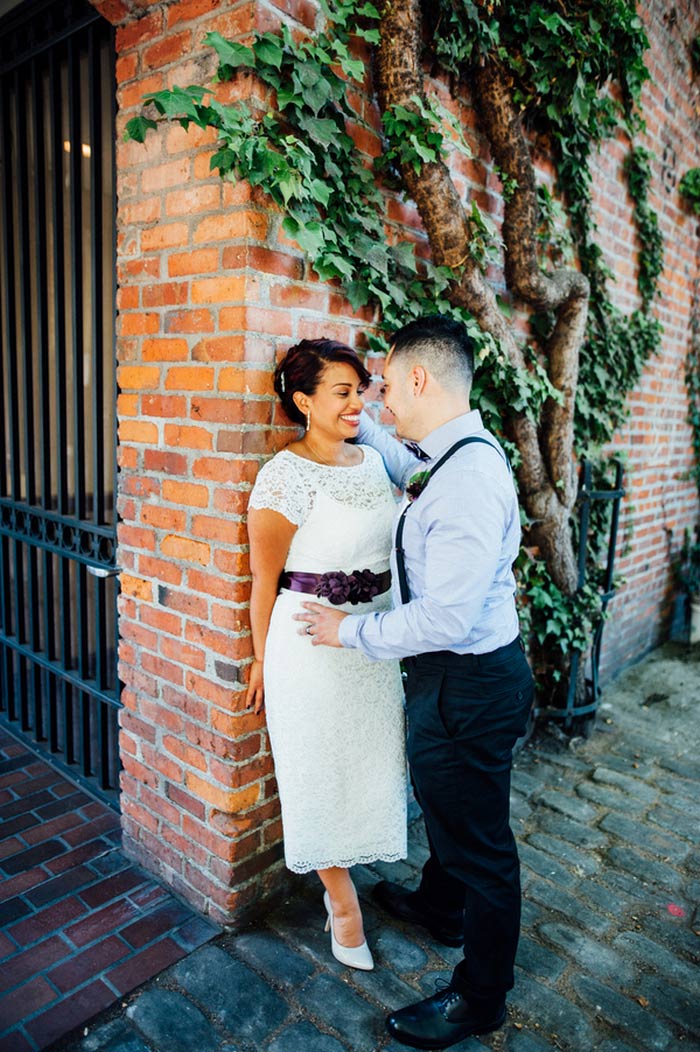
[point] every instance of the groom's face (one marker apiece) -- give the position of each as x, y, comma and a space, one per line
398, 396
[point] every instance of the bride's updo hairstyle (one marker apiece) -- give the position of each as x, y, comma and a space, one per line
302, 367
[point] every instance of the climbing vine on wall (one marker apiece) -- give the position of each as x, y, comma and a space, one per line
690, 189
559, 59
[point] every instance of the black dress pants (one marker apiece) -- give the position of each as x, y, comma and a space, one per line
465, 713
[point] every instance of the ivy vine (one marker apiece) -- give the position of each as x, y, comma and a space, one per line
562, 57
690, 189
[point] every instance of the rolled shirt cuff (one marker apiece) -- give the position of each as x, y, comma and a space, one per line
348, 630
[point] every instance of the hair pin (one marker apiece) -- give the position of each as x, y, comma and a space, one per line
282, 384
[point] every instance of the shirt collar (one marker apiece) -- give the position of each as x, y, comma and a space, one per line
437, 441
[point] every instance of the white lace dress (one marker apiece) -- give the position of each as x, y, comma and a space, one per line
335, 718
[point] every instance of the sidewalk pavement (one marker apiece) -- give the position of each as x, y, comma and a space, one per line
608, 831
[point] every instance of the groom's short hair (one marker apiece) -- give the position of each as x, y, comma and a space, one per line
439, 343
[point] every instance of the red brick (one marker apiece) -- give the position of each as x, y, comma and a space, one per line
166, 294
88, 964
265, 260
132, 94
190, 378
137, 323
52, 918
24, 965
133, 537
193, 321
163, 518
196, 261
138, 431
164, 176
187, 437
246, 381
160, 570
58, 1019
127, 297
186, 801
217, 410
224, 349
165, 462
192, 605
290, 296
165, 235
220, 642
127, 405
252, 225
256, 319
187, 10
146, 28
169, 49
26, 999
126, 67
165, 350
173, 406
183, 548
186, 493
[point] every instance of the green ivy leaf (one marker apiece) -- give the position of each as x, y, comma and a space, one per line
321, 130
358, 294
229, 52
268, 49
316, 95
404, 254
224, 160
175, 103
137, 127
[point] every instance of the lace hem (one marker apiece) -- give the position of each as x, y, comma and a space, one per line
347, 863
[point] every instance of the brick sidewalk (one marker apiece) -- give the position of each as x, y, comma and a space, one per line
608, 832
81, 926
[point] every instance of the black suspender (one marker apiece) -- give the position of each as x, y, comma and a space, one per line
400, 559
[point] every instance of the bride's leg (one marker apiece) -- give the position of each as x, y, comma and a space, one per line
347, 916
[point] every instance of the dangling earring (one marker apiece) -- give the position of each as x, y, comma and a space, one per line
308, 419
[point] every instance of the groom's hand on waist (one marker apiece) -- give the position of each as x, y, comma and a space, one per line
321, 624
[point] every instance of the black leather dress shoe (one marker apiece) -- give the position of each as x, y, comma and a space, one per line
408, 906
443, 1020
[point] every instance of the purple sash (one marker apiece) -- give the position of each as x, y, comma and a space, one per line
337, 587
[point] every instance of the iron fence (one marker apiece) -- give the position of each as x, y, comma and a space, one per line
58, 586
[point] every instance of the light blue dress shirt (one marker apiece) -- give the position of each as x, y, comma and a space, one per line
461, 537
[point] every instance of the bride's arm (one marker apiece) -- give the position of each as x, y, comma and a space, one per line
399, 462
270, 535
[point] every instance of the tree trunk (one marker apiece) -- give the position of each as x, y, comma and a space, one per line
546, 476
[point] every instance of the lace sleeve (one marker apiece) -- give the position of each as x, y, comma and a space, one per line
280, 488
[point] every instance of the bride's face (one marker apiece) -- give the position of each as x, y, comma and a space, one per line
337, 402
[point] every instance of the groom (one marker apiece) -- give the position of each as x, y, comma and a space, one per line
469, 688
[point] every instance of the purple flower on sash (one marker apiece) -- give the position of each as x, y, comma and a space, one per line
358, 587
365, 585
416, 484
334, 586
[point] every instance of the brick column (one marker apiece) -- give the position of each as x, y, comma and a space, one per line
206, 295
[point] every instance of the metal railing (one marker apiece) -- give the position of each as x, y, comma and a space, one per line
58, 587
576, 708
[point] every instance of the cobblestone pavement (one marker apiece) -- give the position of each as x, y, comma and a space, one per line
608, 961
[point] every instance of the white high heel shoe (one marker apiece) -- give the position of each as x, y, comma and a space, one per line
353, 956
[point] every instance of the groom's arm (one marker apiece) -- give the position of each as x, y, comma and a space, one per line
462, 552
399, 462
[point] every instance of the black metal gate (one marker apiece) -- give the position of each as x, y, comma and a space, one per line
58, 589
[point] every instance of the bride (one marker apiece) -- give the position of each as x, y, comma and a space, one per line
320, 524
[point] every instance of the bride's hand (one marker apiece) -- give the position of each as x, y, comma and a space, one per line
255, 697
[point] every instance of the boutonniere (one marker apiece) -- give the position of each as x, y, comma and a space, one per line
416, 484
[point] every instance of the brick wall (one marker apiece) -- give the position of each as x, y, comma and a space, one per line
656, 441
209, 291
